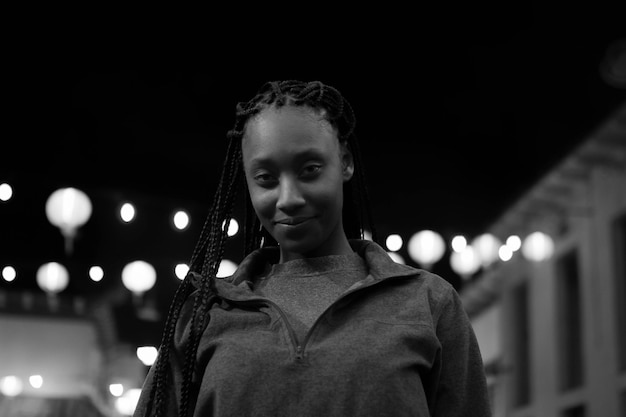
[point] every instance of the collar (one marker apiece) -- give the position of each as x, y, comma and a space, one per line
380, 267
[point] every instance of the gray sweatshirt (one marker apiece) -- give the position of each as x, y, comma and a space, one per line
395, 343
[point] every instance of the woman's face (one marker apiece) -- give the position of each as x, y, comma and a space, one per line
295, 169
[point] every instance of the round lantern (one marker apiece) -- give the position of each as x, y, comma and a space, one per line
426, 247
465, 262
52, 277
538, 247
486, 247
147, 354
138, 277
11, 386
68, 209
226, 268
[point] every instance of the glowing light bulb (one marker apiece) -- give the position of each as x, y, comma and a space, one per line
52, 277
138, 276
459, 243
505, 253
426, 247
127, 403
514, 242
181, 271
36, 381
486, 247
96, 273
394, 242
147, 354
9, 273
127, 212
181, 220
226, 268
233, 227
116, 390
11, 386
538, 247
466, 262
6, 192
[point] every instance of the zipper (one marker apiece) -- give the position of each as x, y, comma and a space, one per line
299, 353
299, 348
292, 334
341, 297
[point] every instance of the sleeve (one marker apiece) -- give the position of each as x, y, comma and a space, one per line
462, 386
174, 369
145, 404
142, 408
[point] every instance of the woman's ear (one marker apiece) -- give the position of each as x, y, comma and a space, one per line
347, 163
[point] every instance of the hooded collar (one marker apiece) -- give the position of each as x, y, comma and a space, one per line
239, 285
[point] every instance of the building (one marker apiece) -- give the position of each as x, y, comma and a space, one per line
553, 332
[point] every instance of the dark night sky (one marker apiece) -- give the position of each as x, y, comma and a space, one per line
456, 121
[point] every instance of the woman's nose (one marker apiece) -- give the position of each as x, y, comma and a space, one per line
290, 195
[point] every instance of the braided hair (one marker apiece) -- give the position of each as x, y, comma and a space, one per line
209, 249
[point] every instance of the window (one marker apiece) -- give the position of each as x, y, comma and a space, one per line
578, 411
619, 239
520, 346
569, 324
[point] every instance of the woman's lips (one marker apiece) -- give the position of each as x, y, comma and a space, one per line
292, 221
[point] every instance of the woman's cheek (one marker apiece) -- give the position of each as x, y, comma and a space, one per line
262, 201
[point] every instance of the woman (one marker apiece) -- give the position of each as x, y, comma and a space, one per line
316, 321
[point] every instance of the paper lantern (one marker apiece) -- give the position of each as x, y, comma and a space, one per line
68, 209
52, 277
486, 247
426, 247
465, 262
11, 386
138, 277
538, 247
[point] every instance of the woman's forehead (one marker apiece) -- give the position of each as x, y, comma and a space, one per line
289, 111
288, 121
287, 130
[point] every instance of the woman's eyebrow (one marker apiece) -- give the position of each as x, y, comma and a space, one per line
297, 157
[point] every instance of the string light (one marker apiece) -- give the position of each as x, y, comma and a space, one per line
6, 192
181, 271
9, 273
138, 276
394, 242
96, 273
181, 220
127, 212
147, 354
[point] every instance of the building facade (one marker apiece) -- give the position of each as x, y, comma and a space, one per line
553, 332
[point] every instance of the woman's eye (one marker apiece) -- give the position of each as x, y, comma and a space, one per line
312, 170
264, 178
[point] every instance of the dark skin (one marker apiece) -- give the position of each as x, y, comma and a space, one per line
295, 168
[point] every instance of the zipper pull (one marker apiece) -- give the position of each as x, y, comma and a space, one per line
299, 352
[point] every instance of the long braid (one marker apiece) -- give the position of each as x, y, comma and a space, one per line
220, 219
209, 249
209, 229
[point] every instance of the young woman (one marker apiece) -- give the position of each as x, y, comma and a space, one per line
316, 321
